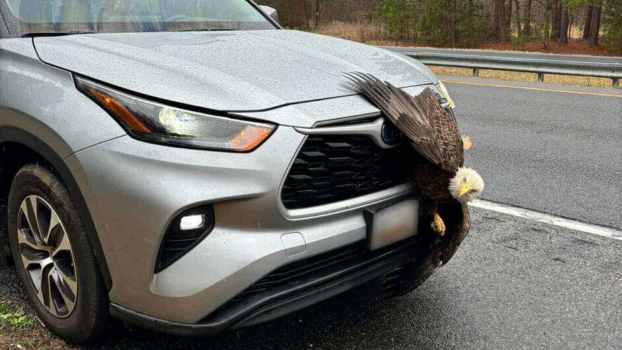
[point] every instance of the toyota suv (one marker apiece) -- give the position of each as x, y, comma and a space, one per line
191, 167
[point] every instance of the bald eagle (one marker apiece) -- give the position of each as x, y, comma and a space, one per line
440, 175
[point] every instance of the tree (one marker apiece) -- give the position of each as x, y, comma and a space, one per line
519, 30
498, 30
527, 30
588, 22
548, 20
564, 25
557, 19
459, 23
317, 12
612, 25
507, 24
389, 12
594, 36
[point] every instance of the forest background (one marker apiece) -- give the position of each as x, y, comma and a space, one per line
560, 26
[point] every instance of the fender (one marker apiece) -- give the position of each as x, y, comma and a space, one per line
10, 134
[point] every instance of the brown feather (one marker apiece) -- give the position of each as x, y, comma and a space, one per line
432, 130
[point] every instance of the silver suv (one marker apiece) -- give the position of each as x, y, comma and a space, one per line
192, 167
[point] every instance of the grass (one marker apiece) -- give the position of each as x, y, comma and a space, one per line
17, 328
14, 319
21, 331
361, 32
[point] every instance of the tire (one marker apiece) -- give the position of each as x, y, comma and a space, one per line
4, 242
73, 301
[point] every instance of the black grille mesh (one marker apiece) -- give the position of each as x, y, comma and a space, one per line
330, 169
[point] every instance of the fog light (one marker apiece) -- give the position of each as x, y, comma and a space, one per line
185, 232
192, 222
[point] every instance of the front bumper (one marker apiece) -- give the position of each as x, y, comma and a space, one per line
135, 189
283, 299
389, 272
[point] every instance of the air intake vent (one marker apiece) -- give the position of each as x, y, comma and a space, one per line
329, 169
184, 233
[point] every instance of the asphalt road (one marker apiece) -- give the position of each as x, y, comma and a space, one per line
515, 283
559, 153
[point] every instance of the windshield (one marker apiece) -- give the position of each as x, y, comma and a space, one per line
28, 17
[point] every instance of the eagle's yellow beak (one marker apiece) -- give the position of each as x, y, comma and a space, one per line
464, 189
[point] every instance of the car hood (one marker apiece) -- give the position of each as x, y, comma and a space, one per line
228, 71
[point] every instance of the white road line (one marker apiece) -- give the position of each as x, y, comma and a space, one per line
548, 219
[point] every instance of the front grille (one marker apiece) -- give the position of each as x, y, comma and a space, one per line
330, 169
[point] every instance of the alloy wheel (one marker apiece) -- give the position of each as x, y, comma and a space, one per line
47, 256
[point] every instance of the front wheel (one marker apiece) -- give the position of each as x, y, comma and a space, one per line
53, 257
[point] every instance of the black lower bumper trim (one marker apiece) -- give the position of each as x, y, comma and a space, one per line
277, 304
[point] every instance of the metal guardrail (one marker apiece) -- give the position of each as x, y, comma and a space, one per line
541, 64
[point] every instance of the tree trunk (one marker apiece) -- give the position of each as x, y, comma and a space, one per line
527, 20
298, 14
557, 19
565, 21
454, 24
595, 26
507, 30
588, 22
318, 9
498, 21
519, 32
548, 15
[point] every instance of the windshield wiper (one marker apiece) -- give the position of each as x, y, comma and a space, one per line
38, 34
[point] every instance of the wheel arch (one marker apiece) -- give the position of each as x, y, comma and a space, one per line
33, 149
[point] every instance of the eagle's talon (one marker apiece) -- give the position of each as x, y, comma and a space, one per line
438, 225
467, 142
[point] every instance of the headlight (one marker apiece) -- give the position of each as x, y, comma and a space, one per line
442, 89
158, 123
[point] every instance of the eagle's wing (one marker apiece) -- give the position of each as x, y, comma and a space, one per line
421, 118
407, 115
448, 136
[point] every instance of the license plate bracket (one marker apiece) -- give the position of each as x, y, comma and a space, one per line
392, 224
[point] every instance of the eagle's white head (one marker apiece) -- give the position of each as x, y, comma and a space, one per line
467, 185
